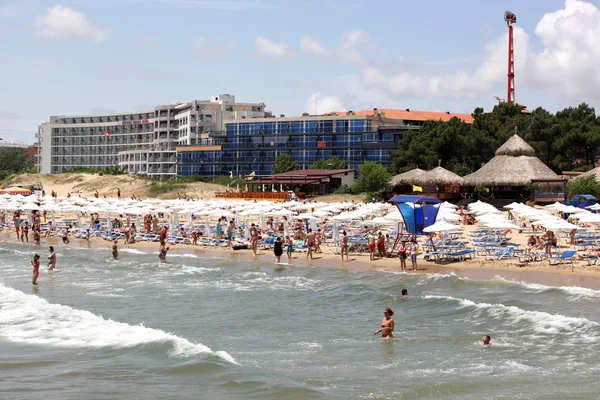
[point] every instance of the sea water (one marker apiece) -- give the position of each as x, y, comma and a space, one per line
210, 328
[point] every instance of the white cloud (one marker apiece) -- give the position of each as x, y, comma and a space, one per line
211, 48
323, 104
568, 65
350, 48
308, 44
270, 48
62, 22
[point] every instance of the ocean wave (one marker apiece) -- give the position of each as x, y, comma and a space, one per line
541, 322
431, 278
32, 320
571, 291
185, 255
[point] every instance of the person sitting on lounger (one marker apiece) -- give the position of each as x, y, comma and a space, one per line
531, 242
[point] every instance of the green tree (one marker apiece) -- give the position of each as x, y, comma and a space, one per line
14, 160
337, 162
284, 163
585, 185
372, 178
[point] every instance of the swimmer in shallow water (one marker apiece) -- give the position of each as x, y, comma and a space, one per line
387, 324
51, 258
486, 340
36, 269
115, 250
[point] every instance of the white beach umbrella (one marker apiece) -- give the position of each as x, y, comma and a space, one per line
286, 230
441, 227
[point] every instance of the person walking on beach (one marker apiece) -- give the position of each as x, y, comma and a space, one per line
413, 254
387, 324
36, 269
402, 256
25, 231
344, 249
51, 258
254, 238
278, 249
371, 241
119, 193
310, 242
381, 244
162, 237
290, 247
230, 229
65, 236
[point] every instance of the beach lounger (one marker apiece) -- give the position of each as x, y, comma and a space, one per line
568, 255
462, 255
506, 252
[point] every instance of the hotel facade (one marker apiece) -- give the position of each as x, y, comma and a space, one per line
219, 137
142, 142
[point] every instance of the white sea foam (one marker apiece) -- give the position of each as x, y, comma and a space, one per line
132, 251
429, 278
542, 322
184, 255
572, 291
30, 319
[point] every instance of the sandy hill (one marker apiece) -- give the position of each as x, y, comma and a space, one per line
87, 184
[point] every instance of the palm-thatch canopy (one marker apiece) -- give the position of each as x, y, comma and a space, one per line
439, 176
407, 178
515, 164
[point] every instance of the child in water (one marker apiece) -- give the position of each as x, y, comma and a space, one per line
163, 253
36, 268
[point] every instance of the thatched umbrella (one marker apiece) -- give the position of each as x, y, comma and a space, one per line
439, 176
407, 178
515, 164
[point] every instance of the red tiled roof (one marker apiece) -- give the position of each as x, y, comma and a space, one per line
411, 115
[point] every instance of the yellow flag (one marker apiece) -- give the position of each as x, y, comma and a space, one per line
417, 188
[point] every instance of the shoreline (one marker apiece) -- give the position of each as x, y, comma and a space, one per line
476, 269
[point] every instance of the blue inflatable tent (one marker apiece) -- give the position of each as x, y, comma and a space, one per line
418, 212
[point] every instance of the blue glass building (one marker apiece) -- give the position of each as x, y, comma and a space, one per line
247, 146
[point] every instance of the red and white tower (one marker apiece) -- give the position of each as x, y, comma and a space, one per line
510, 19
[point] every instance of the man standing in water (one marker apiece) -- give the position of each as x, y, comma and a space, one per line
115, 250
36, 268
51, 258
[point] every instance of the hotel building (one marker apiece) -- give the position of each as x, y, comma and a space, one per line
246, 147
142, 142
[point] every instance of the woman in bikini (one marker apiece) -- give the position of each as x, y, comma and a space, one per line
387, 324
254, 238
344, 249
402, 256
51, 258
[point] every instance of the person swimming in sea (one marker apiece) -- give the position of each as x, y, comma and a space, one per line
115, 250
486, 340
387, 324
404, 293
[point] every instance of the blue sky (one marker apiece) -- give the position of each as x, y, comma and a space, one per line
90, 56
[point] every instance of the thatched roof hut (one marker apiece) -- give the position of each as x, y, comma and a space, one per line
515, 164
593, 171
439, 176
407, 178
